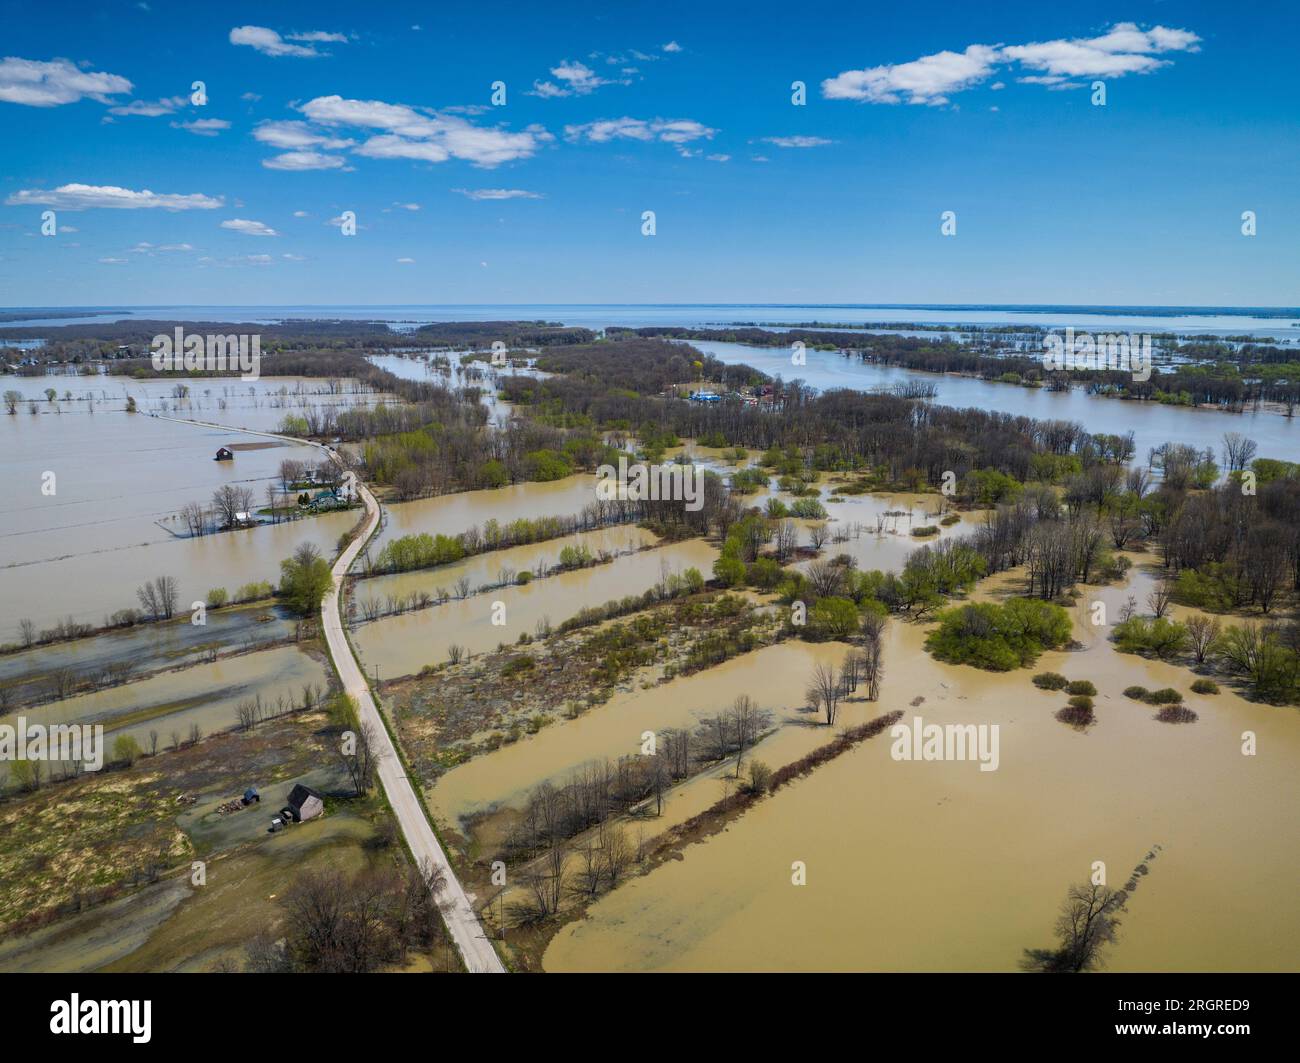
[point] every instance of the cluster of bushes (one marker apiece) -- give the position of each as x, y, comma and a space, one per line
999, 637
1163, 696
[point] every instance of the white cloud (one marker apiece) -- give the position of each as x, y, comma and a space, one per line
248, 227
292, 135
1123, 49
408, 206
146, 248
301, 214
113, 261
408, 133
497, 193
85, 197
293, 257
319, 37
405, 261
268, 42
798, 142
303, 160
672, 46
926, 80
204, 127
718, 158
670, 131
39, 84
150, 108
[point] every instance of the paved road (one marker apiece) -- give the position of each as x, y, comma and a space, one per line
466, 930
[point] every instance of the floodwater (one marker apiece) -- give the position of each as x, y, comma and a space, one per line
496, 566
776, 677
28, 674
203, 694
939, 866
108, 521
402, 645
455, 513
1151, 423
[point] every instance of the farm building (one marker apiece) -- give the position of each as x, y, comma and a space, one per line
224, 454
304, 803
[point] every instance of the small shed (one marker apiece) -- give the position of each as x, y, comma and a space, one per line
224, 454
251, 795
305, 803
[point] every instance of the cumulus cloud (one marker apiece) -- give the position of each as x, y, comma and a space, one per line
404, 132
578, 79
204, 127
86, 197
672, 46
798, 142
670, 131
497, 193
927, 80
39, 84
303, 160
292, 135
269, 42
248, 227
1123, 49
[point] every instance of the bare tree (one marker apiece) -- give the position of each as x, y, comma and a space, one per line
1203, 632
818, 534
1089, 921
229, 500
360, 757
1160, 598
1238, 451
195, 518
824, 691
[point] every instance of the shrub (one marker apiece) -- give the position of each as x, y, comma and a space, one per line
1079, 716
517, 665
832, 618
1136, 693
950, 520
1205, 686
1176, 714
1163, 696
760, 777
217, 597
1080, 701
808, 508
924, 530
1050, 681
1081, 686
126, 750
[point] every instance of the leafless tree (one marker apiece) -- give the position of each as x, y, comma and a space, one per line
1203, 633
195, 518
362, 760
818, 534
824, 691
158, 597
230, 499
1238, 451
1160, 598
1089, 921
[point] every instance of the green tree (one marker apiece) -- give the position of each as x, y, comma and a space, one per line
305, 579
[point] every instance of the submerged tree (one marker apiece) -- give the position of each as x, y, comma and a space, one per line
1087, 924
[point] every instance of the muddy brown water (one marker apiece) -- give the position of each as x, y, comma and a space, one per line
939, 866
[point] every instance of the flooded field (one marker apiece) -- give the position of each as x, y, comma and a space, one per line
30, 674
204, 695
501, 566
452, 514
939, 866
90, 502
402, 645
775, 677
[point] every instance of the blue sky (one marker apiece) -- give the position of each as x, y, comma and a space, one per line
682, 109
